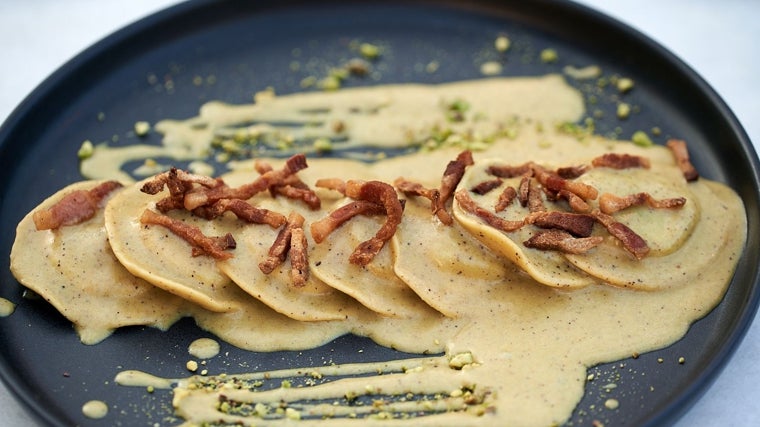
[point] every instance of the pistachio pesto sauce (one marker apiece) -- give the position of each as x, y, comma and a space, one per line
515, 351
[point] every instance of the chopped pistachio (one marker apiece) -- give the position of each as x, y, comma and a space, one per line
549, 55
142, 128
460, 360
502, 43
85, 150
624, 84
323, 145
329, 83
369, 50
641, 138
623, 110
292, 414
490, 68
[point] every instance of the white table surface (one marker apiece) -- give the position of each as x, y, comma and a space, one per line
717, 38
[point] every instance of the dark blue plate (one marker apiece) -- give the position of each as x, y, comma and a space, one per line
147, 71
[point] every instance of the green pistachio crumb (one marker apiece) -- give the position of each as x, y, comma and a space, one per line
623, 110
641, 139
329, 83
85, 150
502, 43
369, 50
549, 56
624, 84
323, 145
142, 128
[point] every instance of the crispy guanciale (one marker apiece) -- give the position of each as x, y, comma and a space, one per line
631, 241
202, 245
508, 171
620, 161
335, 184
572, 172
468, 205
681, 153
382, 194
610, 203
579, 225
282, 243
576, 203
246, 212
410, 188
451, 177
506, 197
562, 241
178, 182
486, 186
322, 228
202, 196
299, 259
75, 207
291, 187
555, 183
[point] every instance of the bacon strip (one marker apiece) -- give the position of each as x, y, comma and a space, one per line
523, 189
410, 188
322, 228
291, 187
279, 249
207, 196
610, 203
559, 240
631, 241
178, 182
620, 161
299, 261
556, 184
507, 171
382, 194
248, 213
535, 201
470, 206
505, 198
572, 172
576, 203
486, 186
451, 177
202, 244
335, 184
75, 207
681, 154
579, 225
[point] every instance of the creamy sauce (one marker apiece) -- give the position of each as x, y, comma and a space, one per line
516, 352
204, 348
95, 409
6, 307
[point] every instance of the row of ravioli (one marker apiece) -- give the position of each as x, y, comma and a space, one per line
113, 270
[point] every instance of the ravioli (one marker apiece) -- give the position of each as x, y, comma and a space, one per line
158, 256
550, 268
664, 230
375, 285
434, 259
612, 264
74, 269
315, 301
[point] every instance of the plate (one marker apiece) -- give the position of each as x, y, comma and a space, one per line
150, 71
